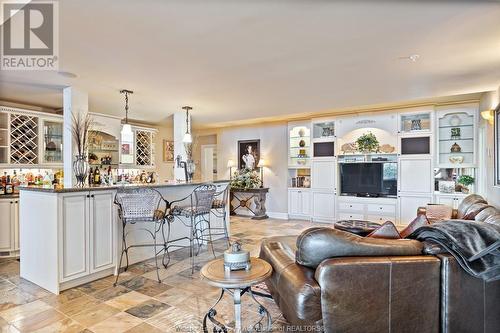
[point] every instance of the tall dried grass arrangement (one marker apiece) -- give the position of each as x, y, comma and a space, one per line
81, 130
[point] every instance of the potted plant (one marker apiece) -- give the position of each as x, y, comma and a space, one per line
368, 143
245, 179
465, 181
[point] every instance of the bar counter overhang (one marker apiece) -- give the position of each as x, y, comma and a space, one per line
71, 236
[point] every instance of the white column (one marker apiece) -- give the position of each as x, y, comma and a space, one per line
179, 149
74, 101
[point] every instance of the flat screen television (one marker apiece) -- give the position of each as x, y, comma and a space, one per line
378, 179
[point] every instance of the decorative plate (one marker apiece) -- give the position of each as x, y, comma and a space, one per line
455, 120
456, 159
387, 148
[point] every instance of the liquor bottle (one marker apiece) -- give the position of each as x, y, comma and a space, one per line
91, 176
97, 176
15, 183
4, 178
8, 186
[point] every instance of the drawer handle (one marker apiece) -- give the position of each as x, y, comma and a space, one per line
350, 206
380, 207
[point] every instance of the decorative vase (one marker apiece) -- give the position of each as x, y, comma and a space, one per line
80, 169
302, 143
455, 148
190, 168
302, 132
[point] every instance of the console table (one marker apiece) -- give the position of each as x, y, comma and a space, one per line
245, 197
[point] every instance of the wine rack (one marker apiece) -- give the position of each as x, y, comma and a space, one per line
143, 142
23, 139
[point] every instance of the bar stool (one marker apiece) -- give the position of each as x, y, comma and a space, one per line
219, 209
141, 205
195, 207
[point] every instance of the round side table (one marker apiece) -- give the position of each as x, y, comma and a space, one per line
236, 283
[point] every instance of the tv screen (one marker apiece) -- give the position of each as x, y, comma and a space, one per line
369, 179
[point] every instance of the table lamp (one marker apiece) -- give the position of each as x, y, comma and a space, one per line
261, 165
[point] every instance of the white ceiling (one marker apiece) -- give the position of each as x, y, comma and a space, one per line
236, 60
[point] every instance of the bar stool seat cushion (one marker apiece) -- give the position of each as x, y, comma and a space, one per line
188, 211
217, 203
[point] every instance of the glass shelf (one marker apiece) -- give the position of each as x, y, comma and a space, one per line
299, 143
52, 142
456, 128
414, 123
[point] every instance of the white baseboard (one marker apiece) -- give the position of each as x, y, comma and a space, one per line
275, 215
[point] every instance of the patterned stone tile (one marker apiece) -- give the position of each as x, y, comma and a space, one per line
23, 311
145, 286
118, 323
143, 328
95, 314
66, 325
77, 305
38, 320
94, 286
147, 309
6, 285
29, 287
109, 293
14, 297
128, 300
176, 320
63, 297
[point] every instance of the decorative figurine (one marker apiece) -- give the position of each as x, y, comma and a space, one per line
236, 258
455, 133
455, 148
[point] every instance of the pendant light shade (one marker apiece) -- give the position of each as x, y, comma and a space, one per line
187, 137
126, 131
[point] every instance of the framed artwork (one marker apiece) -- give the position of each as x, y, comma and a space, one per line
168, 151
497, 145
248, 154
125, 149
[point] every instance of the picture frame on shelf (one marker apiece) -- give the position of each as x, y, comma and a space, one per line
168, 151
248, 153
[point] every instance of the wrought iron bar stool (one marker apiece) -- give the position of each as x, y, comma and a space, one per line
219, 209
195, 208
141, 205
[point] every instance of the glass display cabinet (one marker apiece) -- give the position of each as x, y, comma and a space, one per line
323, 130
415, 123
4, 138
299, 145
52, 142
103, 149
456, 139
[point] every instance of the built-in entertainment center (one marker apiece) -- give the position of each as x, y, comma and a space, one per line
420, 158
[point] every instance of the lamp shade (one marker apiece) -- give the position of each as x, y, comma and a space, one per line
187, 138
126, 130
230, 164
488, 115
262, 163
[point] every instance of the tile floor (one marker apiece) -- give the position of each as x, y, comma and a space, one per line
139, 303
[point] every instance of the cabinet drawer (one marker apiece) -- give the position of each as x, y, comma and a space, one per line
380, 218
382, 209
347, 216
358, 207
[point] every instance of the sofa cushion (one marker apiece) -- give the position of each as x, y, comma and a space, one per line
317, 244
493, 219
485, 213
292, 286
385, 231
436, 213
466, 203
475, 209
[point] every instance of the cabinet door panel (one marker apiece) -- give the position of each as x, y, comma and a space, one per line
323, 204
102, 231
323, 175
415, 175
74, 236
408, 206
293, 202
6, 230
305, 200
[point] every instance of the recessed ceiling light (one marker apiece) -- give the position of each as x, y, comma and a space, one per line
67, 74
412, 57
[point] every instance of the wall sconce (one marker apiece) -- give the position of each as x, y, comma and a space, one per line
230, 165
488, 115
261, 165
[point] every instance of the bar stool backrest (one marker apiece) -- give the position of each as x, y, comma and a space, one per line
203, 197
138, 205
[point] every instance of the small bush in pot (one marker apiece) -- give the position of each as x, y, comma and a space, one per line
465, 181
368, 143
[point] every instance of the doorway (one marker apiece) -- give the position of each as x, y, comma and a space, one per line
208, 162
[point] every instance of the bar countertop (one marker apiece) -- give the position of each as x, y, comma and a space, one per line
62, 189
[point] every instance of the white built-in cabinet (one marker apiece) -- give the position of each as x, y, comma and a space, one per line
323, 205
88, 227
452, 200
9, 226
323, 187
299, 203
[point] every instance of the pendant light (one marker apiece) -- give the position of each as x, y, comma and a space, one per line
187, 137
126, 128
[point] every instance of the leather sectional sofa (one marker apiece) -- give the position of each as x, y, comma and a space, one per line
330, 280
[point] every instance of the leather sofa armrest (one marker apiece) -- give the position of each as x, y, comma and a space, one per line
386, 294
317, 244
421, 211
454, 213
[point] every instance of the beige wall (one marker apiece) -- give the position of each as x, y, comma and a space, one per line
489, 101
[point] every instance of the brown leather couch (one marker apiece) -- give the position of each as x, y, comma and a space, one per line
330, 280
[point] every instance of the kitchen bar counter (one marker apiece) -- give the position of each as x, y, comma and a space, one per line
71, 236
62, 189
